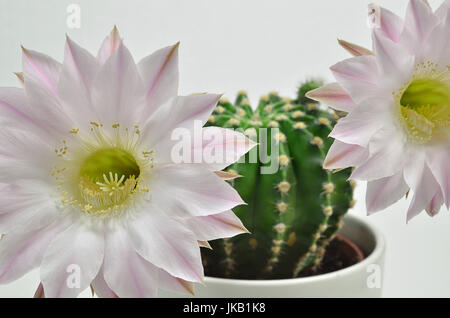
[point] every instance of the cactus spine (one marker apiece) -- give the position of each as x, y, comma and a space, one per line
293, 213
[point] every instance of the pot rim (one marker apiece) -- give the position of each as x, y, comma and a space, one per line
361, 266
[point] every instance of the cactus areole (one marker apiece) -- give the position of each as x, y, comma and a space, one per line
294, 213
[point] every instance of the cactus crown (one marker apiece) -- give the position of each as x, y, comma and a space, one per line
294, 213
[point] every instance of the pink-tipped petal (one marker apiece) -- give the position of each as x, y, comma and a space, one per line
78, 72
109, 46
334, 96
175, 284
117, 92
221, 147
195, 191
383, 192
173, 247
125, 271
212, 227
72, 261
424, 191
419, 22
159, 72
358, 76
391, 25
360, 125
342, 155
435, 204
354, 49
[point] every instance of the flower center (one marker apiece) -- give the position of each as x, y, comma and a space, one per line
425, 109
107, 178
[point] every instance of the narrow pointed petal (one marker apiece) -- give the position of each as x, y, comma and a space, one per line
109, 46
443, 10
101, 288
117, 90
126, 272
77, 75
383, 192
354, 49
394, 62
174, 284
390, 24
195, 191
212, 227
360, 125
159, 72
358, 76
39, 292
182, 259
424, 192
225, 175
42, 71
438, 162
334, 96
419, 22
435, 204
221, 147
72, 261
342, 155
22, 252
204, 244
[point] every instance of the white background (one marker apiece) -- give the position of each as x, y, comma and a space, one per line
226, 46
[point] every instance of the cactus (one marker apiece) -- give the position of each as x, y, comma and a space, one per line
294, 213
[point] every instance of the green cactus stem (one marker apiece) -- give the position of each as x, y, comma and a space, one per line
294, 213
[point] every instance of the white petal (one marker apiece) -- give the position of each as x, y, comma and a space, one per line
212, 227
175, 284
390, 24
438, 162
186, 191
72, 261
125, 271
221, 147
358, 76
384, 192
386, 156
361, 124
394, 62
334, 96
442, 11
419, 22
159, 72
342, 155
21, 252
118, 92
100, 286
424, 191
167, 244
78, 72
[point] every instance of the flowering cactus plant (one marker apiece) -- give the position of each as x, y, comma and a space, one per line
87, 181
397, 131
293, 213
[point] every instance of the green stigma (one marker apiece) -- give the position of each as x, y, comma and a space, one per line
109, 161
425, 108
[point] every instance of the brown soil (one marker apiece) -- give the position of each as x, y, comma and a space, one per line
340, 253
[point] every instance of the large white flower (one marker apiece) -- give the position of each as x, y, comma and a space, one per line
397, 132
87, 180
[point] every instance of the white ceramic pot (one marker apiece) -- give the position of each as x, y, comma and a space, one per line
360, 280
